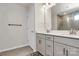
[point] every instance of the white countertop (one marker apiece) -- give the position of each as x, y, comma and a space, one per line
61, 33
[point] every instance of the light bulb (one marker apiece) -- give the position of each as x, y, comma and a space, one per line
44, 6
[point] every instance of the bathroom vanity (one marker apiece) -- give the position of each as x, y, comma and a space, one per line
51, 44
64, 40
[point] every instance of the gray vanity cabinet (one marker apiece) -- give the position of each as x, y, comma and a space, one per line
44, 44
40, 43
63, 50
63, 47
59, 49
49, 45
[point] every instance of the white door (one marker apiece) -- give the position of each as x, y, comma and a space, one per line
31, 27
59, 49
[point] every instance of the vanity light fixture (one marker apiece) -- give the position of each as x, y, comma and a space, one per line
44, 6
51, 5
48, 5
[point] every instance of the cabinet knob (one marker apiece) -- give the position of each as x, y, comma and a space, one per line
49, 45
39, 41
48, 38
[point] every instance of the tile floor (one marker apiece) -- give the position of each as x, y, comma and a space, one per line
24, 51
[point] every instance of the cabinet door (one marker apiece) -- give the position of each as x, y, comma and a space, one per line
73, 51
40, 44
49, 47
59, 49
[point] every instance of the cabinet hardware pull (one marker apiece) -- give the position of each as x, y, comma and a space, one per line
49, 46
64, 51
48, 38
40, 41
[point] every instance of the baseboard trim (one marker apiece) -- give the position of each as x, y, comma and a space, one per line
34, 50
14, 48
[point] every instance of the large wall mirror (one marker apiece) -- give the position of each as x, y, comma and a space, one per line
65, 16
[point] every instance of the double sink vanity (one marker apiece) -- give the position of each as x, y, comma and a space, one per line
57, 43
63, 40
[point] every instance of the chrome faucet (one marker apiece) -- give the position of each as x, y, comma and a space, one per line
72, 31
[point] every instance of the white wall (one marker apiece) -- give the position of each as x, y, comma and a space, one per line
48, 19
12, 36
39, 18
54, 18
42, 24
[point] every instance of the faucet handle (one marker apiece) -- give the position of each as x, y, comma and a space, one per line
71, 31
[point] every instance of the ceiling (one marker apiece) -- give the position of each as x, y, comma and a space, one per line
25, 4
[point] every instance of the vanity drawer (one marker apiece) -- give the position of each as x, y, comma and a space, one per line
49, 47
48, 37
49, 53
68, 41
40, 36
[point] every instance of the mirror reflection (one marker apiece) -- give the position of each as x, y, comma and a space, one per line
65, 16
68, 21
